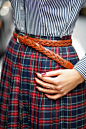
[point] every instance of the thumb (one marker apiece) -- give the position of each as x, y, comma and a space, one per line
52, 73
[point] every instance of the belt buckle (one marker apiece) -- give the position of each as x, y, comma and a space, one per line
19, 35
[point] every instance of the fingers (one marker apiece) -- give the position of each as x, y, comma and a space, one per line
52, 73
44, 84
46, 79
54, 97
48, 91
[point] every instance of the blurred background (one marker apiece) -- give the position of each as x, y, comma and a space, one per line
7, 27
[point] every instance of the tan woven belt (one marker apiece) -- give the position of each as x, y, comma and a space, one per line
39, 43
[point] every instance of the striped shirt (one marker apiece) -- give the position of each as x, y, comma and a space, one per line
48, 18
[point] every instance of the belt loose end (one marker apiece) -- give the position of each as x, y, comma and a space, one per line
68, 65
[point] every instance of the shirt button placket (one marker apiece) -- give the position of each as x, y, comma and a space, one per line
22, 16
21, 8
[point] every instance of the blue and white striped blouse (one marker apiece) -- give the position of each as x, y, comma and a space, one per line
48, 18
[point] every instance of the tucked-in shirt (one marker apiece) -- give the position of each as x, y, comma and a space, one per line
48, 18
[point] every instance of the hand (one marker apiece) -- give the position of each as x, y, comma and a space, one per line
63, 82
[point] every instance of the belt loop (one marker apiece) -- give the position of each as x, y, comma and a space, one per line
19, 35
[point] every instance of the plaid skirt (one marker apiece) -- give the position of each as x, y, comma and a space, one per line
22, 106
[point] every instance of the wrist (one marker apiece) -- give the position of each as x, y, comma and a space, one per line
78, 76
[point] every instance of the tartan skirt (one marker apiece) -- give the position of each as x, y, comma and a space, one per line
22, 106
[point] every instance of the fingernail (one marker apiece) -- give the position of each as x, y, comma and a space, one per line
43, 73
35, 74
35, 79
46, 95
37, 88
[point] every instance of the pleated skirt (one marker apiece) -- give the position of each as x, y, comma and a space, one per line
24, 107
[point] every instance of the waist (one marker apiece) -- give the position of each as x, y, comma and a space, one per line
44, 37
38, 44
43, 40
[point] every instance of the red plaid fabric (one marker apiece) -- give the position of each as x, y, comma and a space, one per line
22, 106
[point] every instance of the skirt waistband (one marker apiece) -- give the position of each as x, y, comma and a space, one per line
38, 44
45, 37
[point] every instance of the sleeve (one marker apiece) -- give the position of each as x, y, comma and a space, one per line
81, 67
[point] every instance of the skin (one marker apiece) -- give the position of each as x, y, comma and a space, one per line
63, 82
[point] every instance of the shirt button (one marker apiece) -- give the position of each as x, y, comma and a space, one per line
61, 36
21, 8
22, 28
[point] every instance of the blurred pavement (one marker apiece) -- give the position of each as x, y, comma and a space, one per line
79, 36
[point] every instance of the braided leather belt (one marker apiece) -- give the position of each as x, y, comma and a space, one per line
39, 44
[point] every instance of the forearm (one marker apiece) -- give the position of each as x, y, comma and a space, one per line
81, 67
